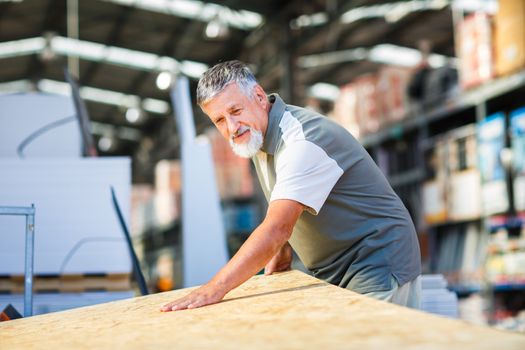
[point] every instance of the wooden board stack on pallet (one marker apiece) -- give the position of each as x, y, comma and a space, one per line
67, 283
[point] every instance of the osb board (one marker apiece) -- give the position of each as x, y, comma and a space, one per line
288, 311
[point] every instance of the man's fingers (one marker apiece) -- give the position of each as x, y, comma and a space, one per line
269, 269
176, 305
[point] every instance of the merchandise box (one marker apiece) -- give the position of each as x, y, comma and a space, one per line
509, 37
491, 140
392, 88
345, 109
434, 202
474, 48
464, 198
517, 124
369, 114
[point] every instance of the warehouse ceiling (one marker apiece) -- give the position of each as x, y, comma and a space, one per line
123, 46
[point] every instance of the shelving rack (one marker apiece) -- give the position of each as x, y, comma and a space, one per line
413, 135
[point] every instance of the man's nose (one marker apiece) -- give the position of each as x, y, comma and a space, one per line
233, 125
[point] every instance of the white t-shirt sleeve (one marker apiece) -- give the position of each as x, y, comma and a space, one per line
306, 174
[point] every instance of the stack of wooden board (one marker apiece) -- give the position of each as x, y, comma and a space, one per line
289, 310
67, 283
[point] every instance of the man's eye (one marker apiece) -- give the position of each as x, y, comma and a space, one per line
236, 112
218, 121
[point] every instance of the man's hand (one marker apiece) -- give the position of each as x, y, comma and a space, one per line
205, 295
281, 261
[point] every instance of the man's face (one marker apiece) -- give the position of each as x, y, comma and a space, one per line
240, 119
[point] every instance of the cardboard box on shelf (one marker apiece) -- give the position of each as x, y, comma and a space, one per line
345, 109
509, 37
517, 122
392, 89
474, 49
462, 148
464, 202
369, 114
491, 140
434, 202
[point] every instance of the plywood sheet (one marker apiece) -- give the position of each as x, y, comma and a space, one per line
288, 311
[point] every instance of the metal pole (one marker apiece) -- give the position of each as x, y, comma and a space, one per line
28, 283
29, 213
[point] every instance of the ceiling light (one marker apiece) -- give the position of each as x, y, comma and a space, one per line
155, 106
394, 11
21, 47
487, 6
102, 53
334, 57
105, 143
216, 29
121, 132
384, 53
324, 91
197, 10
133, 115
100, 96
164, 80
313, 20
395, 55
16, 86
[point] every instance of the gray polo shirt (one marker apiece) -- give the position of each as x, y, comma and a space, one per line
356, 232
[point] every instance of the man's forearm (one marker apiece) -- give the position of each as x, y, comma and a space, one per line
258, 249
263, 244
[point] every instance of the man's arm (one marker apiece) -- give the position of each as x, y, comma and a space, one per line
262, 245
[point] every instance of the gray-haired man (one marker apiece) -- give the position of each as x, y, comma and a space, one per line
327, 198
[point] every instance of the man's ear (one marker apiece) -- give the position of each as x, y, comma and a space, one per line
260, 96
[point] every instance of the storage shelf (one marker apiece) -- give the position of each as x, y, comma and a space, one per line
466, 100
454, 222
508, 287
407, 177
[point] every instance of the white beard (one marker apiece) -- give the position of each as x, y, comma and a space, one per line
250, 148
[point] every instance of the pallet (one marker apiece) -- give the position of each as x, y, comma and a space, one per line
67, 283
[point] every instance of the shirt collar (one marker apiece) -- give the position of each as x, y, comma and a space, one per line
273, 131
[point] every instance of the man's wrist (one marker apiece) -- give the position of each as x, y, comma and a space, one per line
219, 287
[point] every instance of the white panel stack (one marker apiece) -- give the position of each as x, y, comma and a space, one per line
436, 298
21, 115
76, 227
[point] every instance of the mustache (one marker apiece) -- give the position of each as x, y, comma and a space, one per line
242, 129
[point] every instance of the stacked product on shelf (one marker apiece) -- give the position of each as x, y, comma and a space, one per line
491, 45
505, 266
491, 141
452, 193
436, 298
371, 101
452, 208
474, 50
509, 37
517, 124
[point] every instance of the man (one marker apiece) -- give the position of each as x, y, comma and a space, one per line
327, 198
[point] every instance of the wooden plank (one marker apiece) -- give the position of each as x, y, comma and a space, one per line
67, 283
289, 310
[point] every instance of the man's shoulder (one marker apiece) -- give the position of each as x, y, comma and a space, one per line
320, 129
